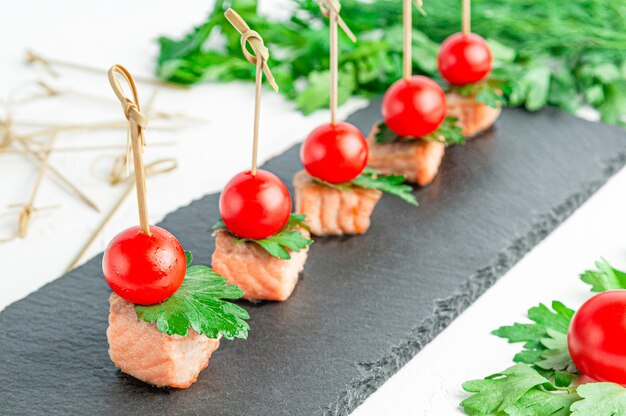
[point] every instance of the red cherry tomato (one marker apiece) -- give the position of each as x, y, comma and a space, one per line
255, 206
597, 337
144, 269
414, 107
464, 59
335, 153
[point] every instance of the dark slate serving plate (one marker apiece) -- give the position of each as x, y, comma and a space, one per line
365, 305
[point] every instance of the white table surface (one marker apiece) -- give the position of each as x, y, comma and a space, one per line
103, 33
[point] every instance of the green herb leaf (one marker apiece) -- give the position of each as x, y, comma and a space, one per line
448, 133
200, 303
600, 399
392, 184
539, 402
498, 392
188, 257
386, 135
518, 391
545, 340
289, 238
316, 95
605, 277
578, 54
488, 92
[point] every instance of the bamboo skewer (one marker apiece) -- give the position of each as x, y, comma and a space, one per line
49, 64
259, 58
334, 66
93, 148
257, 112
59, 177
330, 9
466, 23
407, 30
150, 169
27, 210
137, 122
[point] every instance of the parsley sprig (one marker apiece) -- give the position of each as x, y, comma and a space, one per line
545, 341
488, 92
515, 390
448, 133
605, 277
373, 179
279, 244
576, 59
542, 383
199, 303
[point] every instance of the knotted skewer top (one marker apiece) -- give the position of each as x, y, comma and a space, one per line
256, 43
259, 59
326, 6
137, 121
131, 108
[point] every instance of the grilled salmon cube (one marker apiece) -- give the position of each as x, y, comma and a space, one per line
474, 117
260, 275
332, 211
138, 348
417, 160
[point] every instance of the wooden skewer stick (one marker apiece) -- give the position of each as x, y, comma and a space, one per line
330, 9
55, 174
407, 36
49, 64
259, 58
137, 122
12, 150
466, 24
258, 79
334, 66
159, 166
27, 210
407, 26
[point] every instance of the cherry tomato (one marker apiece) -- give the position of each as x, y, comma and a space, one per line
255, 206
144, 269
414, 107
335, 153
596, 337
464, 59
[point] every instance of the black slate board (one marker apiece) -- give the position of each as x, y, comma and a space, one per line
365, 304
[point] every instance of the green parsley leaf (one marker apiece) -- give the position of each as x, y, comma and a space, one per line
392, 184
386, 135
200, 303
278, 244
317, 94
448, 133
545, 340
501, 390
518, 391
575, 59
604, 278
345, 186
373, 179
487, 91
539, 402
600, 399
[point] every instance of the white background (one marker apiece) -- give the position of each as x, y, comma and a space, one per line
103, 33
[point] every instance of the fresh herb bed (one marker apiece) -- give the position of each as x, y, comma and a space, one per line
556, 53
545, 381
366, 304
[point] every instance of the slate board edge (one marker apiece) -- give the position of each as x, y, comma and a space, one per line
447, 309
374, 374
